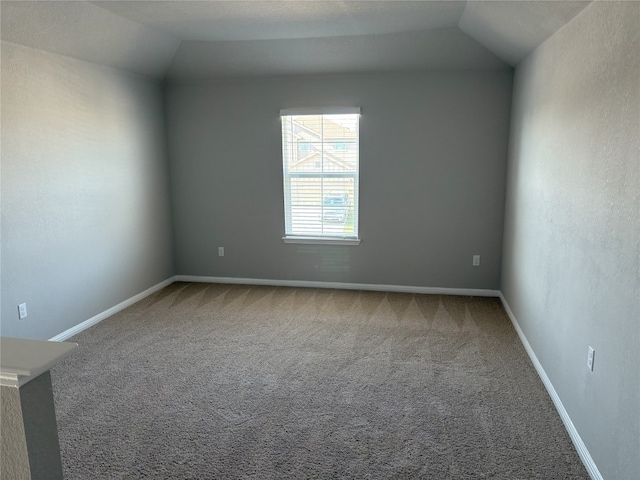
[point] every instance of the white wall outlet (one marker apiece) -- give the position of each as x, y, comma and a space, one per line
221, 251
22, 311
476, 260
590, 356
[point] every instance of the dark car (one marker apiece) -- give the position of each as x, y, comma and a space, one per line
335, 207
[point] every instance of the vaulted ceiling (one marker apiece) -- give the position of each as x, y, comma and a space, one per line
196, 39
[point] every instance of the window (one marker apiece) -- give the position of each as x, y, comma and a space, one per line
321, 179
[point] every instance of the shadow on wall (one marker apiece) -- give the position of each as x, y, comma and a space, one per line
324, 258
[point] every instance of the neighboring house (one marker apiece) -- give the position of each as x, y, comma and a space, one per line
338, 154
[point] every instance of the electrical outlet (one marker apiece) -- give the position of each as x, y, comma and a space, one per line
22, 311
221, 251
590, 356
476, 260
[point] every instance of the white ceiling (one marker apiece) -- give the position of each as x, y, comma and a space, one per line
193, 39
438, 49
275, 20
84, 31
513, 29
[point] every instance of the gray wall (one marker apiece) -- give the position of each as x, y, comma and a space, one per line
571, 268
432, 161
85, 199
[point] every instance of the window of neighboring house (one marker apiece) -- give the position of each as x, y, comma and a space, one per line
321, 180
303, 146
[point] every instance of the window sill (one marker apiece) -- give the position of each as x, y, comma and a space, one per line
321, 240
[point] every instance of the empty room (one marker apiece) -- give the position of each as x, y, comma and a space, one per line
320, 239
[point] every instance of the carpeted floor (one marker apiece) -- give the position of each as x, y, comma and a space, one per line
210, 381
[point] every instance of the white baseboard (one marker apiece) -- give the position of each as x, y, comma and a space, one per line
475, 292
581, 448
61, 337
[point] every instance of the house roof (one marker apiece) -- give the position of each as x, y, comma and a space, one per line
329, 128
195, 39
308, 163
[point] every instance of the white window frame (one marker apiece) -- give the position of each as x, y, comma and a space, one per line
320, 239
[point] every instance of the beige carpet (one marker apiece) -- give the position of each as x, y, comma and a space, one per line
204, 381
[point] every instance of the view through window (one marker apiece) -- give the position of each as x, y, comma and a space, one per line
320, 166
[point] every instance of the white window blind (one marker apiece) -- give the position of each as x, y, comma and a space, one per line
320, 158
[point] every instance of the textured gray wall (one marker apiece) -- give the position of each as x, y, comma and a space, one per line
85, 198
571, 266
433, 168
